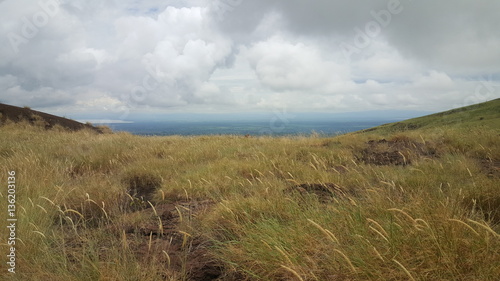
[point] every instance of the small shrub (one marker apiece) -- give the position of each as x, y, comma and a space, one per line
142, 184
59, 128
485, 205
39, 121
104, 129
88, 213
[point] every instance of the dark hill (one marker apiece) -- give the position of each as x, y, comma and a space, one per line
18, 114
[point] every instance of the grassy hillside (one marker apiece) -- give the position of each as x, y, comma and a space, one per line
483, 114
420, 204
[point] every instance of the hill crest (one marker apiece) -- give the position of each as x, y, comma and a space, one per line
17, 114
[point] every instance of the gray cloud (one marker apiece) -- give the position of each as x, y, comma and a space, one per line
437, 32
241, 55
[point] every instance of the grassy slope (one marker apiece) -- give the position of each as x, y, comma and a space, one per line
483, 114
436, 219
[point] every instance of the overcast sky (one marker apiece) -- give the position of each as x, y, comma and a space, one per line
121, 56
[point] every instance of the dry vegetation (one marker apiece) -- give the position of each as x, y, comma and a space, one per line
419, 205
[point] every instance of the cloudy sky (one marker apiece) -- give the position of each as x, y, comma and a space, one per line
117, 57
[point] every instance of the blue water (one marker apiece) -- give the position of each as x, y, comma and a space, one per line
255, 128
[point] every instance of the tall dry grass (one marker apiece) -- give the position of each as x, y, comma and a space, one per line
436, 219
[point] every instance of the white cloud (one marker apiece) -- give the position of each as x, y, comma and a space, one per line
184, 56
286, 66
384, 63
22, 97
118, 56
434, 80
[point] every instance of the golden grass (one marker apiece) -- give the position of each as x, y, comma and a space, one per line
431, 220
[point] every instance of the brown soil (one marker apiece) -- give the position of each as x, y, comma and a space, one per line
18, 114
326, 192
491, 167
399, 151
142, 186
188, 255
341, 169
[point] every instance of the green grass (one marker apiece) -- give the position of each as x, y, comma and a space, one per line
233, 201
485, 114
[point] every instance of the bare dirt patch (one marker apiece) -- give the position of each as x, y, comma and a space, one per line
183, 253
397, 151
162, 237
341, 169
491, 167
142, 185
326, 192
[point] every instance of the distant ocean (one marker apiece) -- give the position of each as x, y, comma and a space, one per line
255, 128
